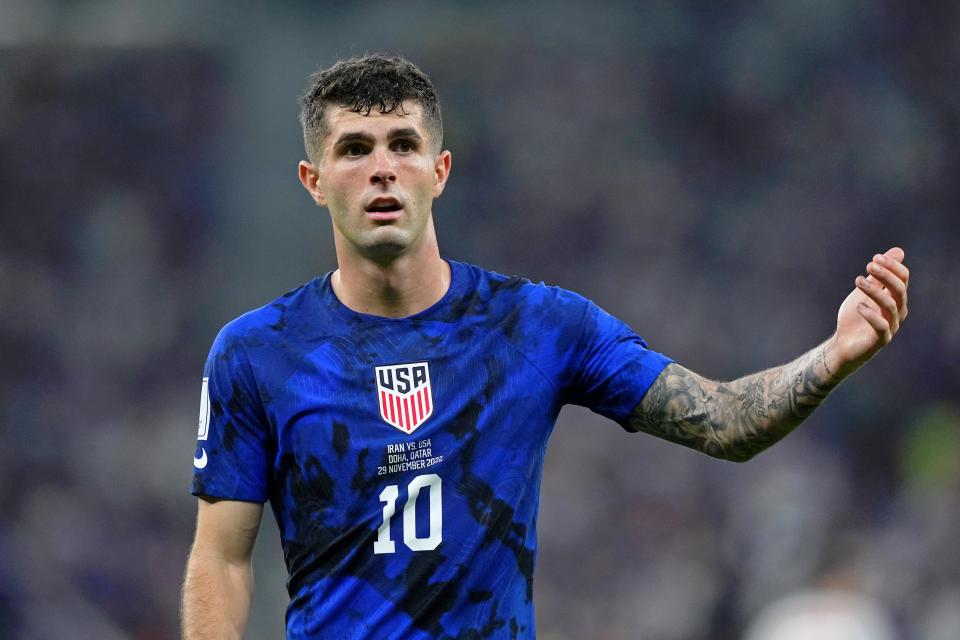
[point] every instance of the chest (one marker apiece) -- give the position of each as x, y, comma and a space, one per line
400, 393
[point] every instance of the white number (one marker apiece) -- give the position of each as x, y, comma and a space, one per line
383, 543
410, 514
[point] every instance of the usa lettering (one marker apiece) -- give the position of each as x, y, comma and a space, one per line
402, 380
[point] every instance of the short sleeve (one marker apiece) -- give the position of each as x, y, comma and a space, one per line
612, 368
234, 441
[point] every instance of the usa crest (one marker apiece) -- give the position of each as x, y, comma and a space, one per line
403, 391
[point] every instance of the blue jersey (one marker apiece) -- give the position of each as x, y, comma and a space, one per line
402, 457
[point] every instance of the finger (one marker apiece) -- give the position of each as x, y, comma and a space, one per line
876, 321
894, 265
886, 277
895, 253
883, 299
880, 296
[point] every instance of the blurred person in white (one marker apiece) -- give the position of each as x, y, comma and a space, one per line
823, 614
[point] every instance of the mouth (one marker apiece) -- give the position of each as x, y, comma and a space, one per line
384, 208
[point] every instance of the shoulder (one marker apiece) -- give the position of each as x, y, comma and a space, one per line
535, 318
278, 319
517, 291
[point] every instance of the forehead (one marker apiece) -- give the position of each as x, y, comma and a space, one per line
341, 120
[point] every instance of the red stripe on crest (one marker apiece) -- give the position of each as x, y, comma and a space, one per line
406, 412
426, 398
383, 404
390, 406
419, 406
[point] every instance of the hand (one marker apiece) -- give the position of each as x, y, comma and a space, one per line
872, 313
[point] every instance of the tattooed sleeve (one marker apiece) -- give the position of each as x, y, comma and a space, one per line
734, 420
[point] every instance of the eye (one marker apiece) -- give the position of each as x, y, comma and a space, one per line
404, 146
353, 150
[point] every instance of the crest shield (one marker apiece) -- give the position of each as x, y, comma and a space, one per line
404, 395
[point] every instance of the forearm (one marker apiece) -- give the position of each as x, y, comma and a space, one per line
216, 598
736, 420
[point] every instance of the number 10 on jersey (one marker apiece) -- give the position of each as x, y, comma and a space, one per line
430, 481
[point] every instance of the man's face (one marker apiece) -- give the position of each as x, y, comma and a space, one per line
378, 176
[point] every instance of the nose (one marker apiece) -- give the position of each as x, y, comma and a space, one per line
383, 172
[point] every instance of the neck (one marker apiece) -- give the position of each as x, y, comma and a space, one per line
396, 288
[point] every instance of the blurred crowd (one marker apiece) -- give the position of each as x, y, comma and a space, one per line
716, 177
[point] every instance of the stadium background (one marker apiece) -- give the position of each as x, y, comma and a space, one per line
716, 175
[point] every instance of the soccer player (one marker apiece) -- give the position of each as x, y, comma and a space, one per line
395, 412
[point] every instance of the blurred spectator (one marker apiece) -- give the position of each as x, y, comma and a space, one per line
824, 615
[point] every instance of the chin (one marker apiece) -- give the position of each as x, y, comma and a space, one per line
386, 245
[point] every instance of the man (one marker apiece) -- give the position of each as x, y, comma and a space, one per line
395, 411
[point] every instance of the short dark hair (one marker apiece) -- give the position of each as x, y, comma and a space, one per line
361, 84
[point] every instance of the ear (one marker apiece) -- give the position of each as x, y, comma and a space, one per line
441, 171
310, 179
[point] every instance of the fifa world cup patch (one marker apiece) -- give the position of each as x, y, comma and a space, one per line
403, 391
204, 429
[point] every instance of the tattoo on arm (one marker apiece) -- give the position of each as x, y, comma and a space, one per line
734, 420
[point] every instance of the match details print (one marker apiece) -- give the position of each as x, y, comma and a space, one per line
408, 456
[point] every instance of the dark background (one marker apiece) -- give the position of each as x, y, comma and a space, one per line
714, 174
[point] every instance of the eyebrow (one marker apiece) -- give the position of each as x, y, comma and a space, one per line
392, 134
406, 132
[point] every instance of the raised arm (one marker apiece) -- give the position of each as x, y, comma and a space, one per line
736, 420
219, 581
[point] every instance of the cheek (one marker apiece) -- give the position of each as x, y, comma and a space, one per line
343, 186
422, 175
